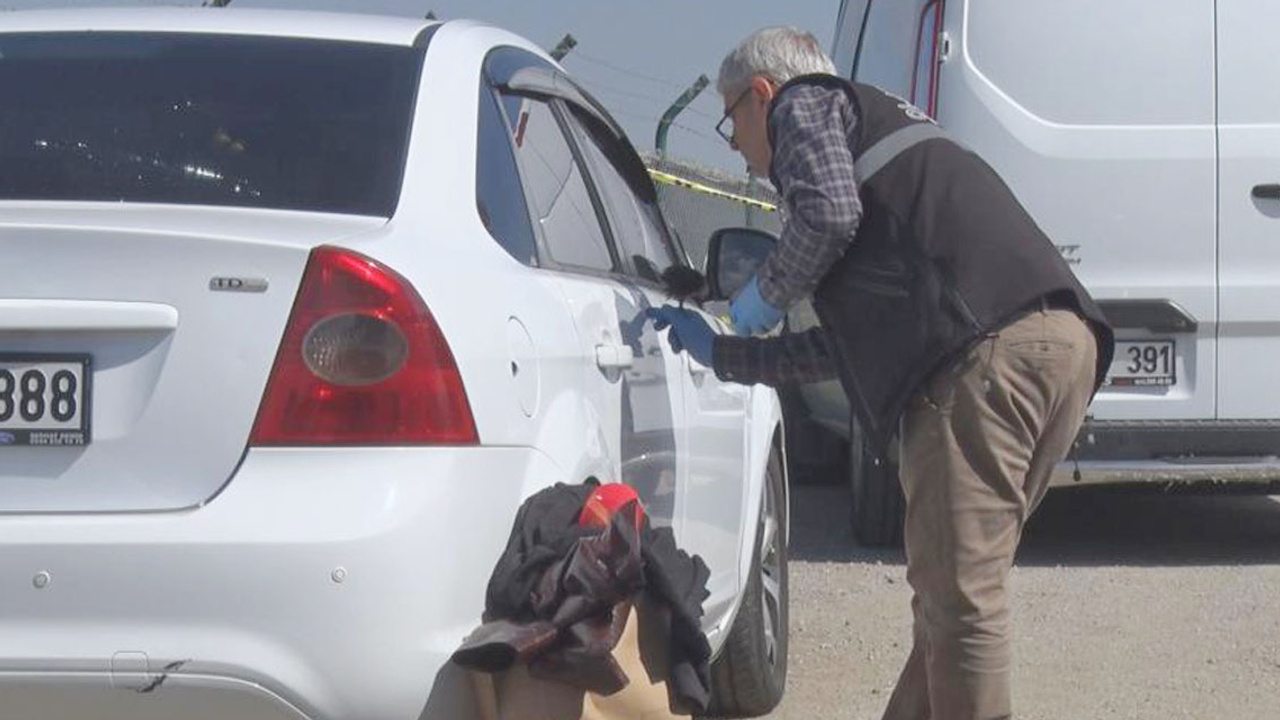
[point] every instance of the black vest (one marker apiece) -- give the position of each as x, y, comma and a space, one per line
945, 254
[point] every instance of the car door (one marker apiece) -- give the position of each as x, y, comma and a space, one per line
712, 496
1249, 207
635, 410
715, 504
651, 388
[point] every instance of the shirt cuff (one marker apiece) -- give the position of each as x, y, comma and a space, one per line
731, 358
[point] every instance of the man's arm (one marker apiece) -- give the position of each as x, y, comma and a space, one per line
790, 358
813, 167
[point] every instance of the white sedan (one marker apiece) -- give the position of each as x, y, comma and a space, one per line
295, 310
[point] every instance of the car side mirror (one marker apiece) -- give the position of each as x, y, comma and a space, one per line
733, 256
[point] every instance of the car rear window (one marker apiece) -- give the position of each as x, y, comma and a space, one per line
243, 121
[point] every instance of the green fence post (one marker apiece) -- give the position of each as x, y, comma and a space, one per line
660, 139
567, 43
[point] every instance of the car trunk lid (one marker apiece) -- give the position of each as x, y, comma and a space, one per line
174, 315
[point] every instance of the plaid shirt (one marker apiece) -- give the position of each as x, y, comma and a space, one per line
787, 359
811, 128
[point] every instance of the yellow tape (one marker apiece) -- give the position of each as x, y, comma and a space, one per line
668, 179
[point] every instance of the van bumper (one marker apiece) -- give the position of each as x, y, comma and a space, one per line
1169, 451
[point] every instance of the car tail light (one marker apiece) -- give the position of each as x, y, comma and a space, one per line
362, 362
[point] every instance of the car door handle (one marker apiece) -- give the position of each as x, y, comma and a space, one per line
1270, 191
614, 357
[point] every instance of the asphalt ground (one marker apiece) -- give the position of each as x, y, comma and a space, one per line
1126, 604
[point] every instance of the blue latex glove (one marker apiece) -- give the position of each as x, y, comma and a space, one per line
751, 313
688, 331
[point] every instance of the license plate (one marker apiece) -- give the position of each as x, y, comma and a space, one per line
44, 400
1141, 363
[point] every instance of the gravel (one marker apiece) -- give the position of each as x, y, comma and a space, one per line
1127, 604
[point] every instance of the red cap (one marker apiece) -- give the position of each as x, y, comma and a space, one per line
600, 507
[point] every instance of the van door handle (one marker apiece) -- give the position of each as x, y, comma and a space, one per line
614, 357
1269, 191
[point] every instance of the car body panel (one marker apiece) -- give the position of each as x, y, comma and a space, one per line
226, 21
159, 441
716, 500
335, 582
309, 560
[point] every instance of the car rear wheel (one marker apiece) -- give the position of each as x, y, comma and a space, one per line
748, 678
877, 506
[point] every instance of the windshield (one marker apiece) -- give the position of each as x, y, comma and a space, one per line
205, 119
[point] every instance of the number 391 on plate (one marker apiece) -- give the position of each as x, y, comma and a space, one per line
1140, 363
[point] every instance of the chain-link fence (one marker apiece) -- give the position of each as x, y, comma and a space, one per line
698, 201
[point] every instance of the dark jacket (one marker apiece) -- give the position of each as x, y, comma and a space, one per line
560, 595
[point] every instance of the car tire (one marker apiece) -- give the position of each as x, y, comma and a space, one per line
877, 506
750, 674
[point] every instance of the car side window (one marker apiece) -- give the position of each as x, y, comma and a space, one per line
499, 197
562, 205
638, 229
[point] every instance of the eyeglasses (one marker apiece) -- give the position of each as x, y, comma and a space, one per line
724, 128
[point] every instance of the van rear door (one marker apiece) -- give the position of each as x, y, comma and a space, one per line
1100, 116
1249, 203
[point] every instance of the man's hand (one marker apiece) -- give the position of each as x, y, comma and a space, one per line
751, 313
688, 331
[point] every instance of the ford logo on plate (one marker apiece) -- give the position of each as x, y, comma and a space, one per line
8, 438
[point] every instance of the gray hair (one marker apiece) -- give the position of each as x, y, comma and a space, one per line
777, 53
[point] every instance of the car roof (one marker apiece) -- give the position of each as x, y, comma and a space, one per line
383, 29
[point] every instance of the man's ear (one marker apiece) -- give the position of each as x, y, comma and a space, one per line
763, 88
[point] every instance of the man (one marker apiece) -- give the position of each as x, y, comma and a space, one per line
950, 319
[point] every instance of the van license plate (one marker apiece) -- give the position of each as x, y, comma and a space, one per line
44, 400
1144, 363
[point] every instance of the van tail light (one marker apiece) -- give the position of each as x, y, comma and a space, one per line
362, 362
929, 103
935, 58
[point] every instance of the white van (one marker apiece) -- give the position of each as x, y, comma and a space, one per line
1144, 138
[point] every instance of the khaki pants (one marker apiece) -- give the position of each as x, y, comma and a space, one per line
978, 445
